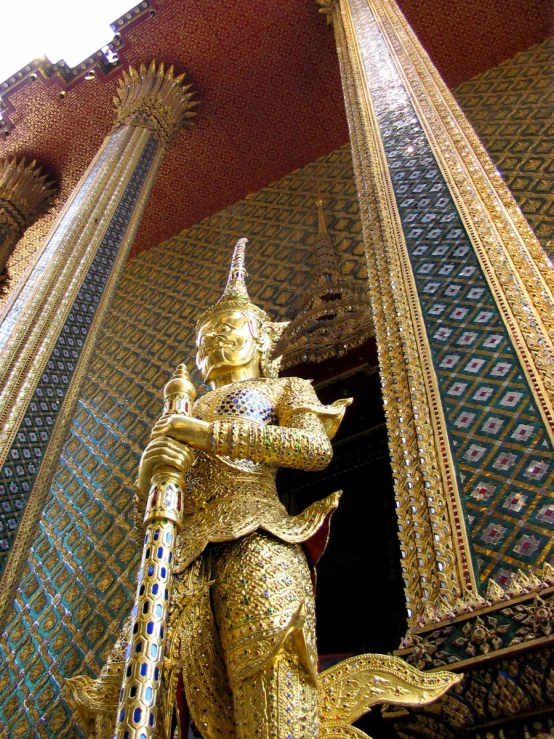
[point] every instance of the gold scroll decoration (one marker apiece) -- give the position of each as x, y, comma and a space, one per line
351, 688
346, 692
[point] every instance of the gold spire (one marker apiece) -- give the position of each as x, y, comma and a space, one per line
327, 267
236, 282
322, 226
235, 296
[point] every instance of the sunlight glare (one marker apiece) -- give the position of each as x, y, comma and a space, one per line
71, 30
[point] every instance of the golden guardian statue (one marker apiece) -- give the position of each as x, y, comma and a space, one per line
233, 646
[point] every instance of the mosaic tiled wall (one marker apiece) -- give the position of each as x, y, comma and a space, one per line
511, 106
19, 472
80, 573
79, 577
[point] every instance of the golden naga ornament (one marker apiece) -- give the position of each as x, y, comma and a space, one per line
223, 627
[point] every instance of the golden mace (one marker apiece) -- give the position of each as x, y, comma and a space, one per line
140, 691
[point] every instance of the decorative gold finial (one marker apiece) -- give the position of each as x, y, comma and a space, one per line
321, 225
236, 282
25, 194
326, 7
235, 296
179, 392
155, 99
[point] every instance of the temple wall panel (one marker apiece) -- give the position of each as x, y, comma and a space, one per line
79, 578
499, 442
510, 106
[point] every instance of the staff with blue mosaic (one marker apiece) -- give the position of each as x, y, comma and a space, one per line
240, 656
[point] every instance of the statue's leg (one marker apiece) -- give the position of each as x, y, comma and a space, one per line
264, 607
194, 647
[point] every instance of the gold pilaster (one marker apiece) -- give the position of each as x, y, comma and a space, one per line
437, 560
152, 108
25, 194
421, 477
518, 270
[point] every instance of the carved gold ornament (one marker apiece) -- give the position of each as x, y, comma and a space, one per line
334, 316
26, 193
155, 99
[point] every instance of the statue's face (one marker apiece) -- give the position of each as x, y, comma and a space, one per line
225, 343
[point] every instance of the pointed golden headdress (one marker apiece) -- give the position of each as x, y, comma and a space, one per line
235, 297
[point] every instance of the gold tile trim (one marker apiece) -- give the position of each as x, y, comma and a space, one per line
519, 273
425, 483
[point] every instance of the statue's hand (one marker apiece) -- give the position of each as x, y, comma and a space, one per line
161, 452
185, 429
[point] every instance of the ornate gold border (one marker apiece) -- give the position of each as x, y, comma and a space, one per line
436, 563
27, 527
517, 269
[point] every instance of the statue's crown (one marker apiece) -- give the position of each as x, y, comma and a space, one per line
235, 296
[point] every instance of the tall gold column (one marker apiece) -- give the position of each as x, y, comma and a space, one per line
49, 328
25, 194
462, 298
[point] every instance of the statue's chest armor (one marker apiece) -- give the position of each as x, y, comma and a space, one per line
247, 403
250, 402
215, 476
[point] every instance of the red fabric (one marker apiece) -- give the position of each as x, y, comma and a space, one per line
183, 709
316, 545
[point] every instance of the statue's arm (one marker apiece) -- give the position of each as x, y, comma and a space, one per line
302, 444
301, 440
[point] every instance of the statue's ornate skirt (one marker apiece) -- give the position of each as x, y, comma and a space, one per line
243, 639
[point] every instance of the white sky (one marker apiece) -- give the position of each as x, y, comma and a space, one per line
60, 29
